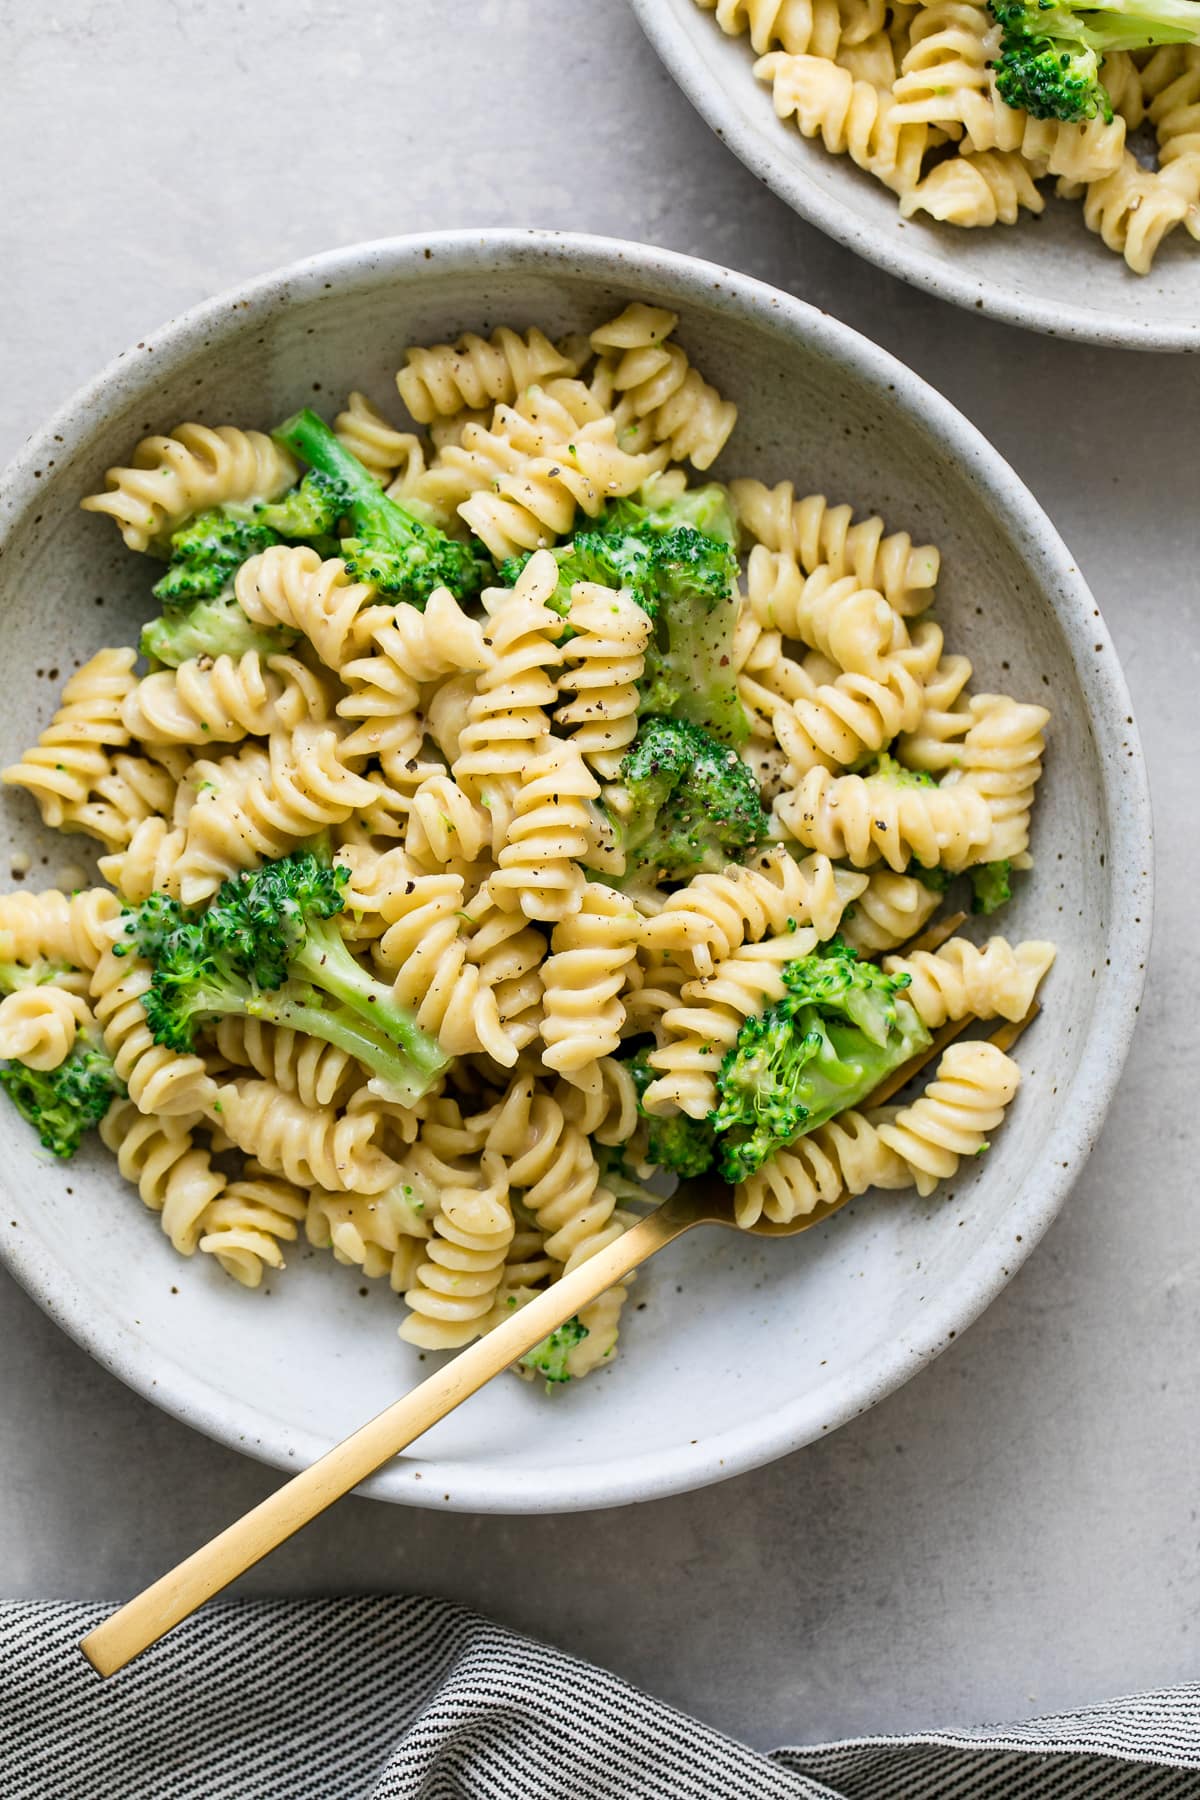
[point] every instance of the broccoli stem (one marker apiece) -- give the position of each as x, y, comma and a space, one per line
330, 967
1127, 24
307, 434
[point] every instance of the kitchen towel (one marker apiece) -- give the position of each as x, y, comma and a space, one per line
391, 1698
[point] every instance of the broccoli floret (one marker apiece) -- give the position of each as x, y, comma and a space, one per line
216, 627
992, 883
62, 1104
675, 556
678, 1143
309, 512
1051, 53
937, 879
266, 947
549, 1358
689, 661
708, 509
690, 803
884, 767
206, 554
615, 561
387, 544
842, 1026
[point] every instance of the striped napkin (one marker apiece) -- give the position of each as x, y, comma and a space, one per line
386, 1698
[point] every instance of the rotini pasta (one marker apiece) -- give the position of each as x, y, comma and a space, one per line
170, 479
429, 937
910, 94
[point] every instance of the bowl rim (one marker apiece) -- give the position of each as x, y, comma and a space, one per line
907, 261
466, 1486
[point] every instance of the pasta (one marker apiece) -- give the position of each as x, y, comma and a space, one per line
909, 93
427, 939
170, 479
39, 1025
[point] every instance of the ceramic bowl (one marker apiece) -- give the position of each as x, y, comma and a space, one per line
735, 1351
1048, 273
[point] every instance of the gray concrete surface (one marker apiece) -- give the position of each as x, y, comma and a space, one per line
1017, 1529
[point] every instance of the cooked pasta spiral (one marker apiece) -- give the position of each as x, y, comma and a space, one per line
289, 585
510, 713
1002, 761
425, 953
456, 1284
868, 819
1133, 209
659, 389
714, 1008
797, 26
541, 865
245, 1226
856, 715
961, 979
218, 701
381, 1234
817, 534
170, 479
1175, 114
974, 1084
604, 662
890, 909
379, 447
591, 953
935, 742
172, 1173
446, 827
312, 1146
71, 755
855, 627
158, 1080
705, 922
554, 1165
986, 187
318, 1073
851, 117
846, 1156
476, 372
55, 927
39, 1025
305, 788
519, 498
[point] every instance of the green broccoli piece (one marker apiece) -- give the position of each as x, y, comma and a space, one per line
207, 553
266, 947
842, 1026
549, 1358
884, 767
690, 803
309, 512
992, 883
708, 509
675, 555
216, 627
615, 562
62, 1104
388, 544
1051, 51
678, 1143
688, 670
937, 879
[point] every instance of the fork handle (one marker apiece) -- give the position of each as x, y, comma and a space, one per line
176, 1595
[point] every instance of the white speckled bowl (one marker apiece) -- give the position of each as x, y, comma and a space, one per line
1048, 273
735, 1351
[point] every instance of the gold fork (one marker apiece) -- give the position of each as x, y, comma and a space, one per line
176, 1595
